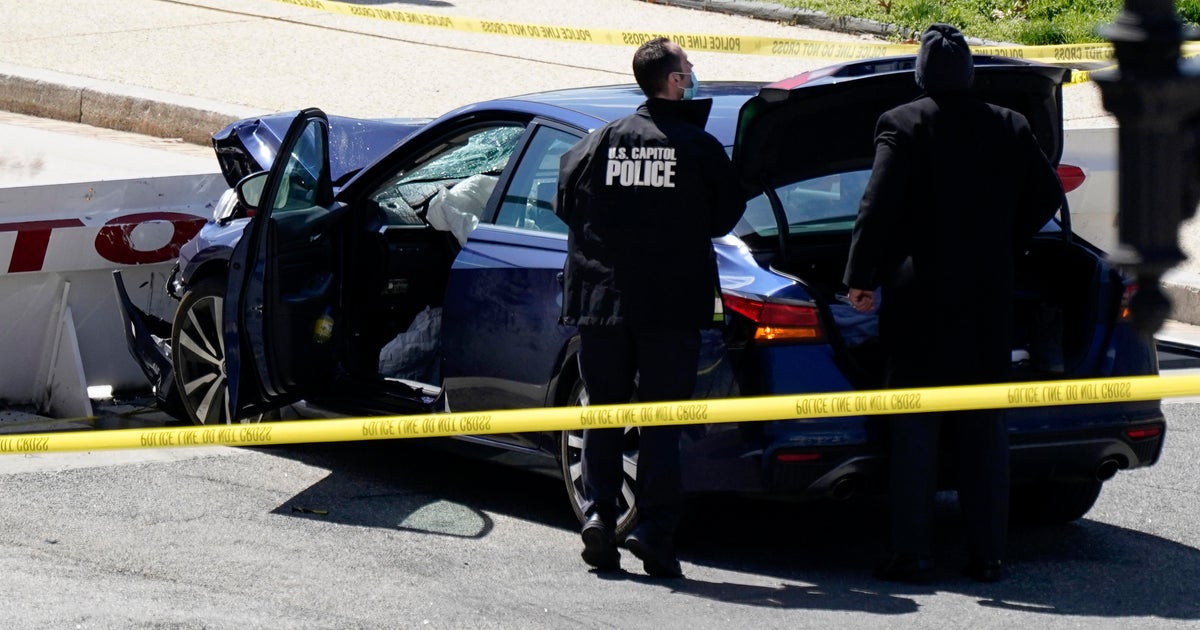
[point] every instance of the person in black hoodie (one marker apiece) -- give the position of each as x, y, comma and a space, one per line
643, 197
939, 229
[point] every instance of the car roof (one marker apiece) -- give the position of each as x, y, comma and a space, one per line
593, 107
816, 122
249, 145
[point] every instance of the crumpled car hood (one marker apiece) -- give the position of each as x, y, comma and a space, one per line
249, 145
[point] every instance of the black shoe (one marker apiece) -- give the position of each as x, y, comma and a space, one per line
599, 547
656, 553
985, 570
907, 568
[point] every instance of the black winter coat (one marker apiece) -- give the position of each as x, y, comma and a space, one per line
643, 197
957, 189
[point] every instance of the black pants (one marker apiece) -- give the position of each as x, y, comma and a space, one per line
663, 362
977, 443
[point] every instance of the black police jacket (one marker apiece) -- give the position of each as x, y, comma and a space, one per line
644, 196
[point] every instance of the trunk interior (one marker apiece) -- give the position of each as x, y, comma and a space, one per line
1066, 301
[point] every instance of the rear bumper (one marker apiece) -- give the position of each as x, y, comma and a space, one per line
1096, 451
1087, 454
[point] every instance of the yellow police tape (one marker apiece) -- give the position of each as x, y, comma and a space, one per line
736, 44
757, 409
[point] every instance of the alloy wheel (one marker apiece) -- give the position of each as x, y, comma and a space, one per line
198, 349
571, 454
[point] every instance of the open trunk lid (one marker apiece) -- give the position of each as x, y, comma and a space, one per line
823, 121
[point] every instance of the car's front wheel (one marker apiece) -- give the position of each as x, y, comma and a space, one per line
198, 353
571, 460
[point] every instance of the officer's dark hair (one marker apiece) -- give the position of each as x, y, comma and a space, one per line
653, 63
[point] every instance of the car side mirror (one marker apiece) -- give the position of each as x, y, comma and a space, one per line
250, 189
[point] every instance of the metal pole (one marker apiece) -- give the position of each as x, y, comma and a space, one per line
1155, 99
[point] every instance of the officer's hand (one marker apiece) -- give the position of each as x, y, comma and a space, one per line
862, 301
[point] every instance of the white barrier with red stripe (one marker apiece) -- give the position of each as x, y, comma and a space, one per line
60, 327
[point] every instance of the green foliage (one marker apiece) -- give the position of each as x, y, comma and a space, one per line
1030, 22
1189, 11
919, 12
1043, 32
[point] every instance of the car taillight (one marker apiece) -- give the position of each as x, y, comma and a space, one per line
1138, 434
796, 458
1071, 176
1124, 314
777, 320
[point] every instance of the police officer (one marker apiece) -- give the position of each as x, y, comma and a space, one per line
643, 197
957, 188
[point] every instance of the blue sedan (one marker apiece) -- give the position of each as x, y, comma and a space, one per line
414, 266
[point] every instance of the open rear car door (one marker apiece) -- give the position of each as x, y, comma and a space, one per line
285, 276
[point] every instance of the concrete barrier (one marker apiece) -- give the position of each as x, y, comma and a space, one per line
60, 329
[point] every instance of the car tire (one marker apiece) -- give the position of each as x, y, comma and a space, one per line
198, 353
1054, 503
570, 458
198, 356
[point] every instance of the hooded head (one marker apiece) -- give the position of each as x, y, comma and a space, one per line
944, 61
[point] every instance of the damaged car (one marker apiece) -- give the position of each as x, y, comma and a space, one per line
400, 267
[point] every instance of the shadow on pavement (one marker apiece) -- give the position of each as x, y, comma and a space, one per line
412, 486
794, 555
1086, 568
843, 597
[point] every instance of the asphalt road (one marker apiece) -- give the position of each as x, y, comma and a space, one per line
403, 535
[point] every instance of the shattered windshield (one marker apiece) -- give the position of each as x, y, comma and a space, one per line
468, 153
484, 152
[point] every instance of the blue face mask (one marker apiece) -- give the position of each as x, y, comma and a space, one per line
690, 92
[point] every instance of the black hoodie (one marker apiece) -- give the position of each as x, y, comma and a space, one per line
957, 187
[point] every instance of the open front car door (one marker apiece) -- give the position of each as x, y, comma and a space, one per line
282, 300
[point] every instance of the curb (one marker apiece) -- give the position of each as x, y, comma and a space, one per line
58, 96
1183, 289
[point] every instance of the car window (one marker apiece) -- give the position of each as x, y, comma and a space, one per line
458, 172
529, 201
300, 181
823, 204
